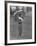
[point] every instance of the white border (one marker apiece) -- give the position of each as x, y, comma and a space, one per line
8, 23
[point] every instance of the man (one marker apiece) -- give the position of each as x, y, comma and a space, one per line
19, 17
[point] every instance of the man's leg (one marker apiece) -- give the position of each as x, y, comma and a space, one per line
20, 28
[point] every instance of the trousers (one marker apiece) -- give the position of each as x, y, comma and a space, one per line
20, 28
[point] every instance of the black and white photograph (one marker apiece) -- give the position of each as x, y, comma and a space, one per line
20, 22
20, 19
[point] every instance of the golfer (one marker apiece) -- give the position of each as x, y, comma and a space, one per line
20, 18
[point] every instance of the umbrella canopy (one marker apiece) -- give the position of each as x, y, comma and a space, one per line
19, 16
